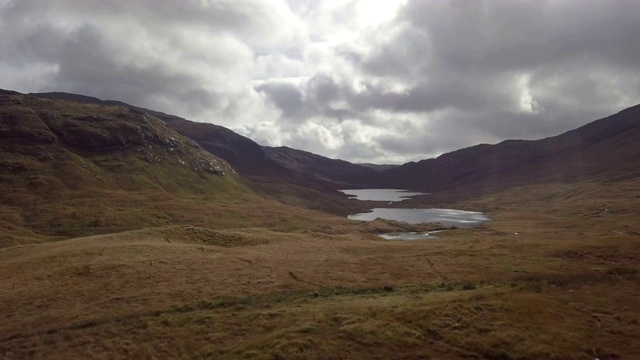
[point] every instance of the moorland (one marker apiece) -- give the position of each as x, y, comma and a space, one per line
128, 233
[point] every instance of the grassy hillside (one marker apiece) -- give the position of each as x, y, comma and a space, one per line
120, 238
72, 169
266, 175
555, 275
301, 187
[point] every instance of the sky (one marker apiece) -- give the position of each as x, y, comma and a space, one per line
360, 80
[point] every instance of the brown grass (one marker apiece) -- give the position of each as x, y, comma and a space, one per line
553, 276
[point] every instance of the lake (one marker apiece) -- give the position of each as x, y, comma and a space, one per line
391, 195
447, 217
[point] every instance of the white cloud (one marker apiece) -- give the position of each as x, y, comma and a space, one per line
362, 80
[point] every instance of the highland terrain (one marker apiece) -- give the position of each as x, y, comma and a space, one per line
129, 233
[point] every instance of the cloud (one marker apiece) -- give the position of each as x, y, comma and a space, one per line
192, 58
285, 96
357, 79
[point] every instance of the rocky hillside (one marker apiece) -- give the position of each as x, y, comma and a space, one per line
246, 156
53, 151
604, 150
73, 165
250, 160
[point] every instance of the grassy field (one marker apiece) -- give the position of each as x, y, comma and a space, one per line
553, 276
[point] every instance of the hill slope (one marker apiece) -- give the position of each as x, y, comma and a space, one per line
73, 165
553, 276
339, 172
69, 168
263, 175
247, 157
604, 150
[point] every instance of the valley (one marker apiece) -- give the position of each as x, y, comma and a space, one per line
127, 233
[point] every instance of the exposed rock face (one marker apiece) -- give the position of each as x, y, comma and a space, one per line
242, 153
28, 120
24, 125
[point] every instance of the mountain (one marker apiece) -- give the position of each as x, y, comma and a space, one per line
339, 172
73, 165
603, 150
242, 153
378, 167
73, 168
120, 232
259, 172
298, 186
246, 156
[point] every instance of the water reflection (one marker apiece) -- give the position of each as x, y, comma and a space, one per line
391, 195
447, 217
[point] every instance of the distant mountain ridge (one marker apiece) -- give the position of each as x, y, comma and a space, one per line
603, 150
378, 167
342, 173
247, 157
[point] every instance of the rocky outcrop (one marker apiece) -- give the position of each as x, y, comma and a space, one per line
100, 128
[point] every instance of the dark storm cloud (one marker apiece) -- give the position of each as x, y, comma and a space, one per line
323, 76
322, 89
422, 98
285, 96
41, 43
500, 34
314, 98
85, 61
